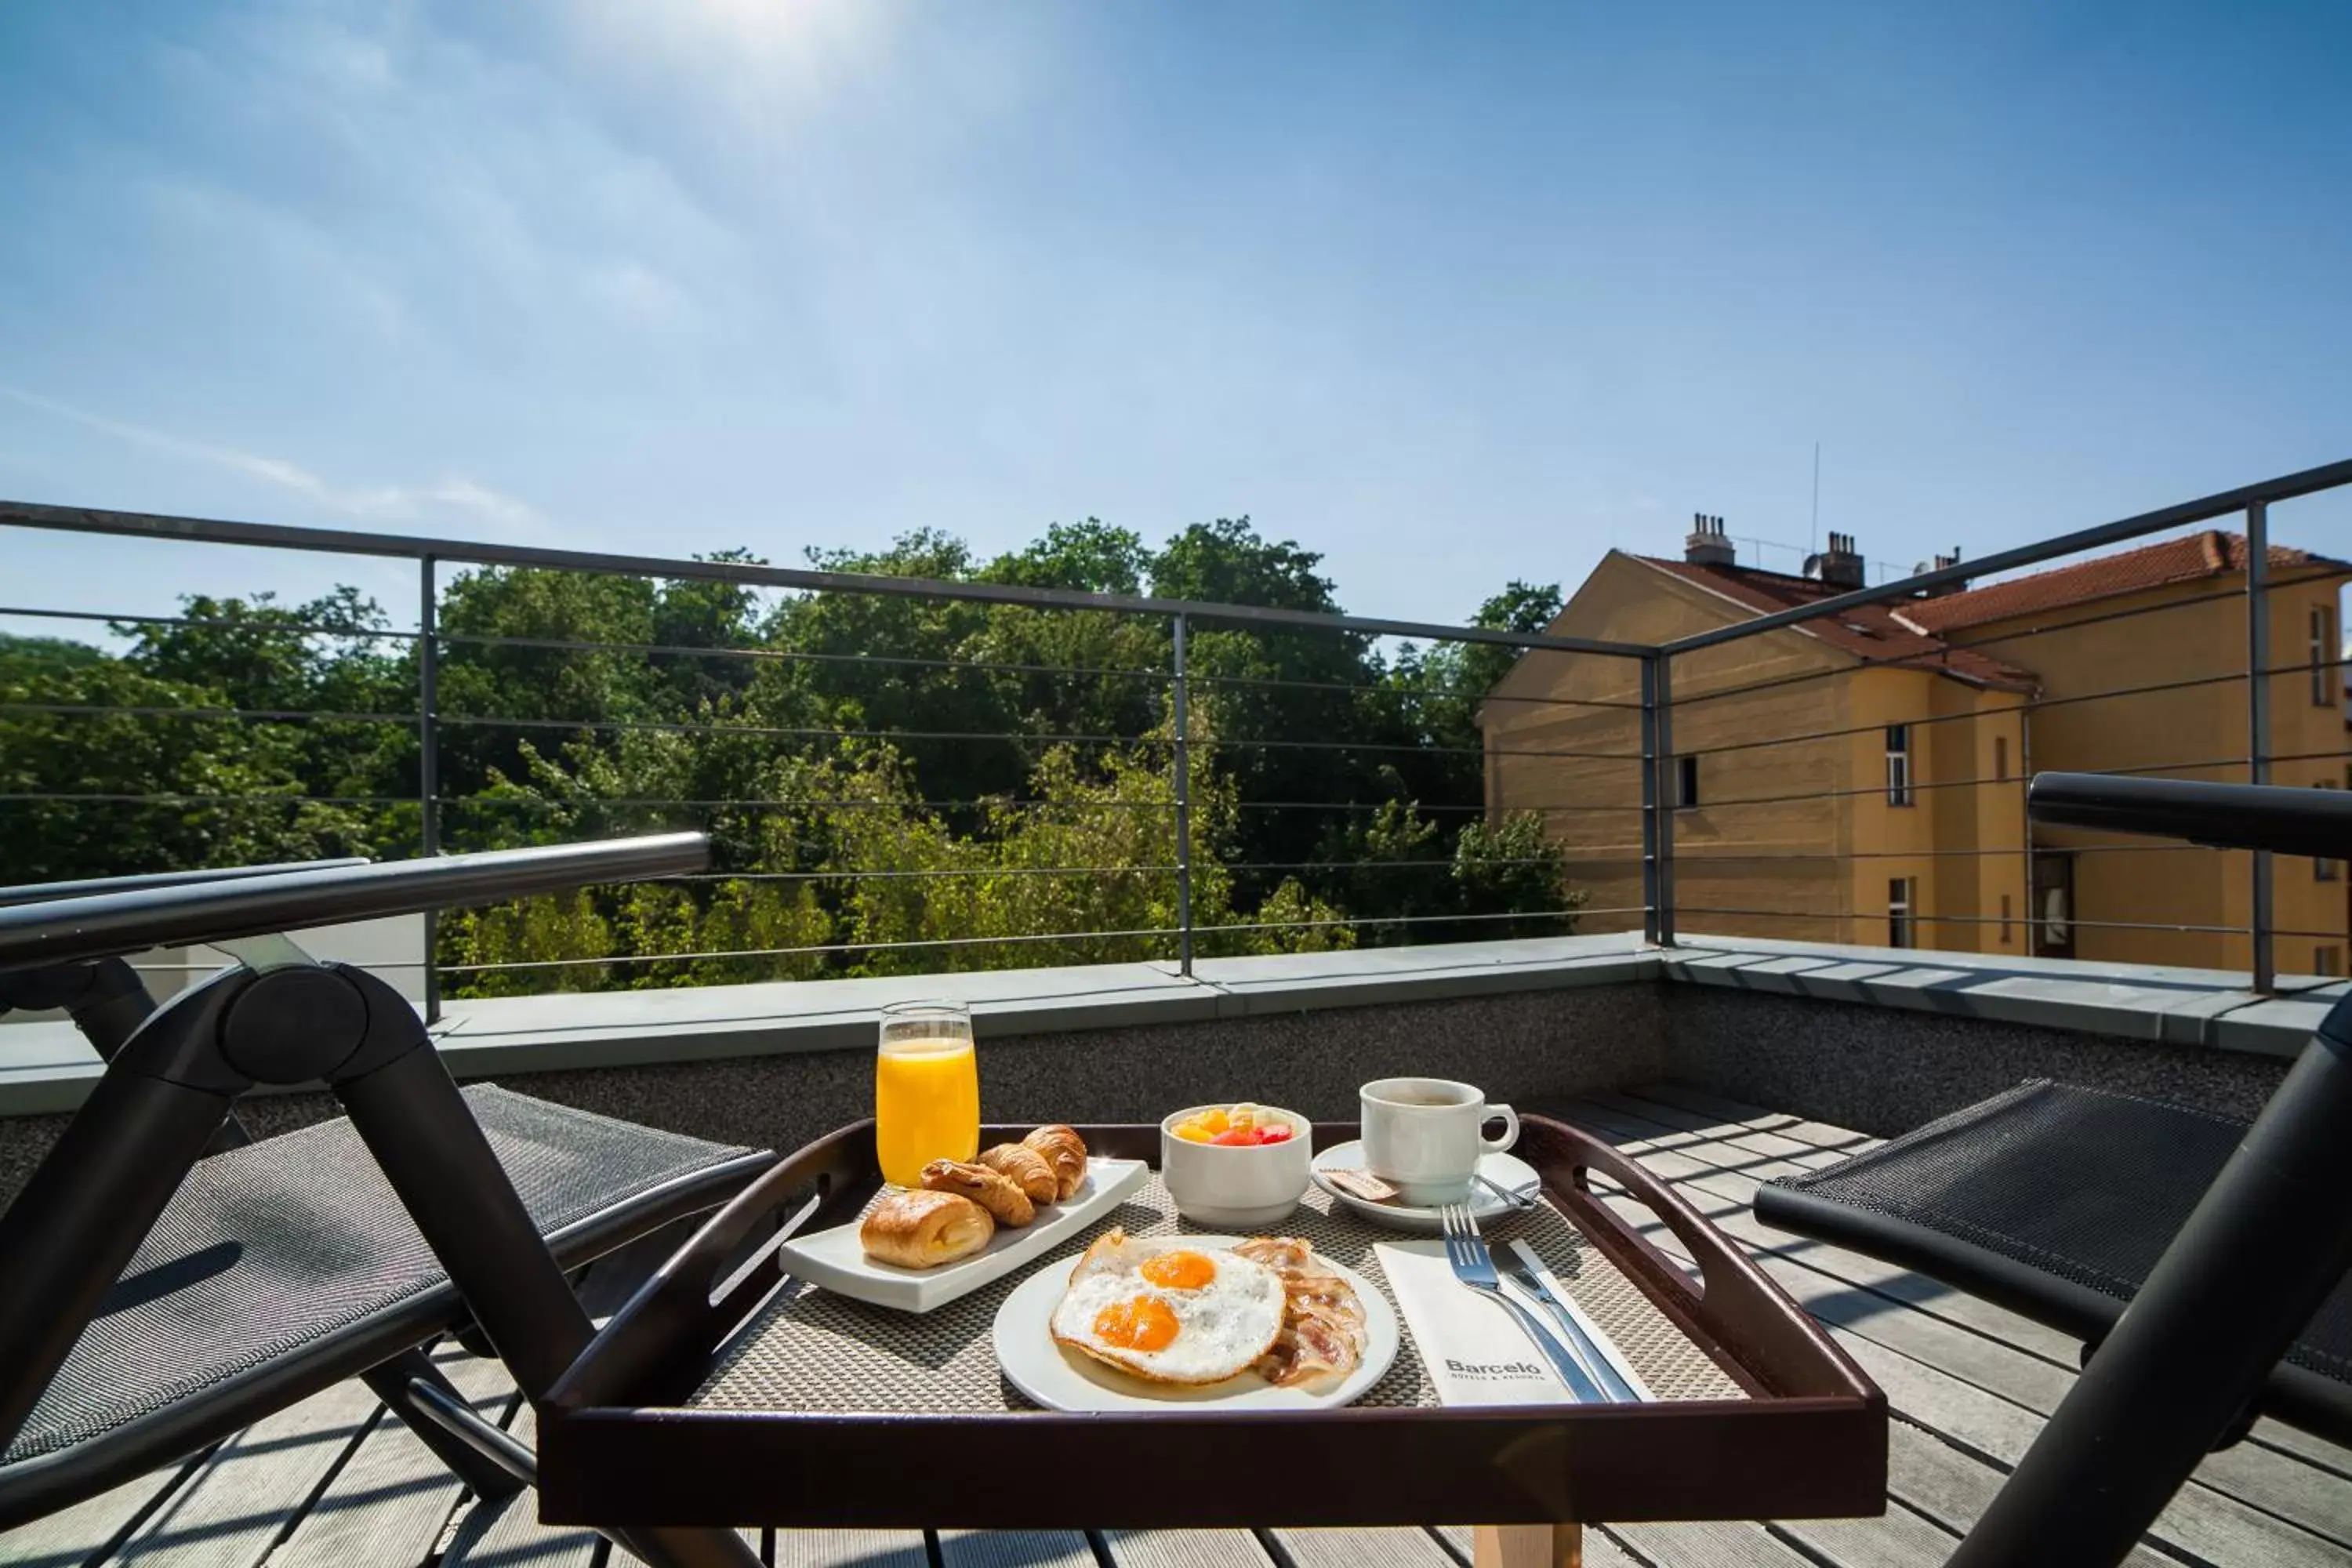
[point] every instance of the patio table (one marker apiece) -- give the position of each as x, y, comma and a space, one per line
726, 1392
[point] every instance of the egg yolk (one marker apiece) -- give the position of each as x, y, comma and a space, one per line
1140, 1324
1179, 1271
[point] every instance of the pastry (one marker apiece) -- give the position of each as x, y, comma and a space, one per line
1026, 1167
999, 1194
1066, 1151
922, 1230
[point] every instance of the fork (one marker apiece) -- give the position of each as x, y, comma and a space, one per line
1465, 1250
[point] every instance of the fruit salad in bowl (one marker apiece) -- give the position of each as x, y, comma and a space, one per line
1240, 1166
1243, 1126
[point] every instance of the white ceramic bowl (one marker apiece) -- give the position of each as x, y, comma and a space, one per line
1235, 1188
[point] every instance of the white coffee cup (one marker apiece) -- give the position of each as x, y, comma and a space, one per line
1425, 1135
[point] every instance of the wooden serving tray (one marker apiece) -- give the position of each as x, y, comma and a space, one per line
724, 1393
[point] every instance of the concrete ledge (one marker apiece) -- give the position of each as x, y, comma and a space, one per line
2205, 1007
46, 1068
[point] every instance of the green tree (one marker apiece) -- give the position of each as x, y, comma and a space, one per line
107, 770
987, 781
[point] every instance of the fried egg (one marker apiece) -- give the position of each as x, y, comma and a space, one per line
1167, 1311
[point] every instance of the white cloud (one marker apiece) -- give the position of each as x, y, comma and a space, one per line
451, 495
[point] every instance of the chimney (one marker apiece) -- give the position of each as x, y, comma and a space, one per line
1707, 545
1957, 586
1839, 566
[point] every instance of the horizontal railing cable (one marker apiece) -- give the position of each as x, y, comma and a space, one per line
173, 797
798, 951
1419, 748
1198, 930
1419, 920
827, 802
2031, 705
807, 656
1933, 662
954, 873
214, 622
1917, 784
272, 715
1700, 858
803, 732
1378, 689
1378, 865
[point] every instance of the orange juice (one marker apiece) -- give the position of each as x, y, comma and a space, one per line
926, 1105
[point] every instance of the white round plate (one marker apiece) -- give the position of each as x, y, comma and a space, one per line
1059, 1379
1507, 1171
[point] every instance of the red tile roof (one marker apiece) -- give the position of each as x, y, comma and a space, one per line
2210, 554
1871, 633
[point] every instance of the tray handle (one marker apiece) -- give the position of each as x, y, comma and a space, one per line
1760, 1337
687, 1305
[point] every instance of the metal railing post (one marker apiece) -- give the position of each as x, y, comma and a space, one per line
2025, 815
1649, 749
429, 748
2257, 725
1664, 810
1184, 786
1657, 810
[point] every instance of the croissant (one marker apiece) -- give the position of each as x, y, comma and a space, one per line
923, 1229
1066, 1151
1031, 1170
999, 1194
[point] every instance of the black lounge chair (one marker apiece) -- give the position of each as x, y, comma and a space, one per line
168, 1281
2203, 1259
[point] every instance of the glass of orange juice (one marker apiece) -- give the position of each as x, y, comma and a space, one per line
926, 1088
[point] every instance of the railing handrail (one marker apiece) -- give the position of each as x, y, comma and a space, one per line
106, 925
282, 536
1656, 758
2279, 818
2328, 476
89, 887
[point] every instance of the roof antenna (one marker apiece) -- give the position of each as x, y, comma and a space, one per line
1813, 538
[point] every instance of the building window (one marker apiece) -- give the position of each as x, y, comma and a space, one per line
2323, 655
1685, 783
2004, 919
1898, 765
2000, 758
2327, 961
1900, 931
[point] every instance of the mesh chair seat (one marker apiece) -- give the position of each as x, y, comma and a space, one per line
2057, 1201
290, 1263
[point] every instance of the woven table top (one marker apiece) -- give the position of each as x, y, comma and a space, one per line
812, 1349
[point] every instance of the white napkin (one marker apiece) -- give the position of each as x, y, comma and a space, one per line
1476, 1350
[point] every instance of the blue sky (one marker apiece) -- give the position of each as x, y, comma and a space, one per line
1454, 294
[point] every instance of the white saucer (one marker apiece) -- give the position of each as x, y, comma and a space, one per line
1065, 1380
1506, 1171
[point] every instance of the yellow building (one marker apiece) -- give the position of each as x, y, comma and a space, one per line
1862, 778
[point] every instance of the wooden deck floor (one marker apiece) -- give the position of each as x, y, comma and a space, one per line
336, 1481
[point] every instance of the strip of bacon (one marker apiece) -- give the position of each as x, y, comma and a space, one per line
1322, 1322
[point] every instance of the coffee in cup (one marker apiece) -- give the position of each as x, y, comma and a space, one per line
1425, 1135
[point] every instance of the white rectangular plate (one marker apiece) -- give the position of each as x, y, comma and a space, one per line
832, 1259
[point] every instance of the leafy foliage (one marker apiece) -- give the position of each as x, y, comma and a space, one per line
894, 783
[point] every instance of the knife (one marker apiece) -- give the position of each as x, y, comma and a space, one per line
1547, 1288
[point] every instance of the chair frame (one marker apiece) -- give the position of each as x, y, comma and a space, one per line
174, 1082
2264, 1247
